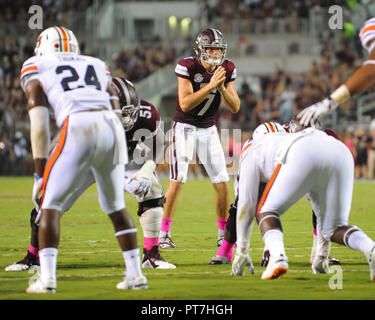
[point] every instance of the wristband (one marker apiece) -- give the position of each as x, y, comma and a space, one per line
221, 91
340, 95
37, 176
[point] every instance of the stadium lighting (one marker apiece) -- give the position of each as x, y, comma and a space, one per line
185, 25
172, 21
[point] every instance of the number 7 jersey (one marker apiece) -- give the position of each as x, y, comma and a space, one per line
72, 83
203, 115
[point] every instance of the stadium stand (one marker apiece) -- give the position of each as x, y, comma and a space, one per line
277, 95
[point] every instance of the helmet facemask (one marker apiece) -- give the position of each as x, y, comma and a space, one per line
207, 57
129, 116
213, 39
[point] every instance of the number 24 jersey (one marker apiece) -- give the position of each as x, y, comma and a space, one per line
72, 83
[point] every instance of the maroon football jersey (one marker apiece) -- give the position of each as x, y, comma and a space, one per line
149, 119
203, 115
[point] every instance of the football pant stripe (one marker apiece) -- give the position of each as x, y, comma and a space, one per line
54, 156
268, 188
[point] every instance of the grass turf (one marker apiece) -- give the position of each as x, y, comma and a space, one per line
90, 262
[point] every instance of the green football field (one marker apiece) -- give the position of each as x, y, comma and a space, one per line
90, 263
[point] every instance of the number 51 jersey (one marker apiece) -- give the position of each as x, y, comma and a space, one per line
72, 83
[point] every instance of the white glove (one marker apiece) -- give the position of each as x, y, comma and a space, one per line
37, 188
314, 111
241, 260
139, 186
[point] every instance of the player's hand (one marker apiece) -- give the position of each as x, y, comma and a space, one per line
37, 188
139, 187
218, 78
241, 260
313, 112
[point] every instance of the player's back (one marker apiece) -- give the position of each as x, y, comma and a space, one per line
72, 83
272, 148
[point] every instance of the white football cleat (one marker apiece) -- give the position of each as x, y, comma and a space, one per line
29, 262
219, 260
371, 262
277, 266
241, 260
132, 283
39, 287
165, 242
320, 265
21, 267
153, 260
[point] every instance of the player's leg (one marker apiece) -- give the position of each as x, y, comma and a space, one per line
31, 260
181, 152
285, 187
211, 155
335, 225
224, 254
150, 214
109, 184
354, 238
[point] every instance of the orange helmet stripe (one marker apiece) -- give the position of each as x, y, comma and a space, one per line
65, 37
369, 28
271, 126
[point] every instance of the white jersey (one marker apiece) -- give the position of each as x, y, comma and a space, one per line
308, 163
72, 83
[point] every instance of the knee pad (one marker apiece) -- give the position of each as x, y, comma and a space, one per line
151, 222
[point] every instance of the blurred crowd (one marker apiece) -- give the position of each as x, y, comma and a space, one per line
280, 97
139, 63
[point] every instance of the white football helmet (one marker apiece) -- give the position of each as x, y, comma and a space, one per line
56, 40
267, 127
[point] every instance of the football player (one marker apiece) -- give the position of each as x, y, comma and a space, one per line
309, 158
225, 253
204, 82
141, 122
359, 82
91, 142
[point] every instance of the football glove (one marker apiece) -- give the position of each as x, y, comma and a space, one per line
241, 260
314, 111
139, 187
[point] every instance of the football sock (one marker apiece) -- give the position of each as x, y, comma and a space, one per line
33, 250
273, 239
226, 250
166, 225
132, 262
222, 224
358, 240
48, 260
148, 243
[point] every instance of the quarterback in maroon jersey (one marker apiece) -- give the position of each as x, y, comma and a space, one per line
141, 122
204, 82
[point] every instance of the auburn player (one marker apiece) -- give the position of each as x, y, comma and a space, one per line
141, 122
91, 142
204, 82
225, 253
359, 82
273, 159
